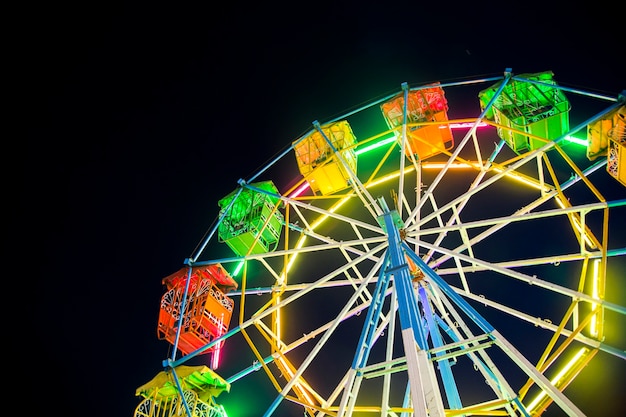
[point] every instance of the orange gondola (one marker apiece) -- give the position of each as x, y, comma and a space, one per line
207, 311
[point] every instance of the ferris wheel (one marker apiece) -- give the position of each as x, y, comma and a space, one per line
448, 249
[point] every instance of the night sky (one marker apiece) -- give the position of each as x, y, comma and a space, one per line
139, 117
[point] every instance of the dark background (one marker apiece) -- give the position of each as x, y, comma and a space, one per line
139, 116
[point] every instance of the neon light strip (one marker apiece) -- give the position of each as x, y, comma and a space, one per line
594, 293
299, 190
577, 141
238, 269
375, 145
558, 376
215, 360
